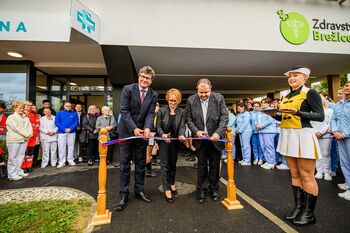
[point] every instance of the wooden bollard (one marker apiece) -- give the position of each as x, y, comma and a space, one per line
102, 216
231, 202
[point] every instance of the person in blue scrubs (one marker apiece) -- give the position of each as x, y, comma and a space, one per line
257, 150
340, 126
244, 130
266, 126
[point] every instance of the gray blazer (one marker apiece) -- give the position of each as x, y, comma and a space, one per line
217, 117
102, 122
163, 121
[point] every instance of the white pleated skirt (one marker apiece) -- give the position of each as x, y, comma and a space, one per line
299, 143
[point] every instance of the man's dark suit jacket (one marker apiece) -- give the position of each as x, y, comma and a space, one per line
163, 121
133, 113
217, 117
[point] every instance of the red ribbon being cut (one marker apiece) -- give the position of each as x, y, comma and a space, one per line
117, 141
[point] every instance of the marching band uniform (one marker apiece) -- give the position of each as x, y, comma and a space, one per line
298, 139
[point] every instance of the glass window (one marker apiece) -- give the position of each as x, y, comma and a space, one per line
41, 81
56, 102
109, 85
59, 84
110, 102
13, 80
39, 99
86, 84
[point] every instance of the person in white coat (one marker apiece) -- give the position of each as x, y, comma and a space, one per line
48, 138
323, 165
19, 130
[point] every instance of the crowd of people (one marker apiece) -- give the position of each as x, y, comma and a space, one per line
304, 132
60, 137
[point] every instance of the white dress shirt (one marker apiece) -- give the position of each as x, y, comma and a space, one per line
204, 104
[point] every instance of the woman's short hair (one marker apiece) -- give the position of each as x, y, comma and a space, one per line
25, 103
256, 102
242, 105
105, 108
91, 107
175, 93
16, 104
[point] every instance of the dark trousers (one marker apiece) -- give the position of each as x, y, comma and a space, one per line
168, 158
208, 179
110, 154
92, 149
132, 150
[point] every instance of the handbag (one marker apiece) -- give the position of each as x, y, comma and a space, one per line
113, 134
83, 136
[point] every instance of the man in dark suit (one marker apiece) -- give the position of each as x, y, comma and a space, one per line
207, 115
137, 105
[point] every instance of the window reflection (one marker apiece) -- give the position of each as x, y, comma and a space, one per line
12, 83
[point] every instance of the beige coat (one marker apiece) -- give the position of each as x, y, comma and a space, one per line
19, 128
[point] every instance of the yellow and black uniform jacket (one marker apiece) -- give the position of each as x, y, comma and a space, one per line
309, 105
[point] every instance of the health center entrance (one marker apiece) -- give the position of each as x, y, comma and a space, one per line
84, 90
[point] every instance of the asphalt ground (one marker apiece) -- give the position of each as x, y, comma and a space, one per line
269, 188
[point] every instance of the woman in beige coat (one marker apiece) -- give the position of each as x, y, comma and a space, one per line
19, 130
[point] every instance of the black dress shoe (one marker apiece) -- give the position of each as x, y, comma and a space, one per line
201, 197
122, 204
215, 196
151, 174
169, 199
143, 197
174, 192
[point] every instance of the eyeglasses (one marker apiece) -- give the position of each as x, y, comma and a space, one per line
145, 77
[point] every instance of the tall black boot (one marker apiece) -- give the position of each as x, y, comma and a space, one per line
298, 200
307, 216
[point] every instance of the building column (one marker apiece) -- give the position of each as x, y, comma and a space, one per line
277, 94
333, 85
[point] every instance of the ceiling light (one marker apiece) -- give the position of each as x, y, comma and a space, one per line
72, 84
15, 54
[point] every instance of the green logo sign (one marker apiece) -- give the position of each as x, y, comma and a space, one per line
294, 27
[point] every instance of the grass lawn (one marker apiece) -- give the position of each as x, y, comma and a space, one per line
45, 216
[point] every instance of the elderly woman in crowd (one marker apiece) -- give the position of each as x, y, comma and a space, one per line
299, 144
48, 138
170, 123
323, 165
107, 120
89, 125
19, 131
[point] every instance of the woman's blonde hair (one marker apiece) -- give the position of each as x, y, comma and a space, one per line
173, 92
16, 104
91, 107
